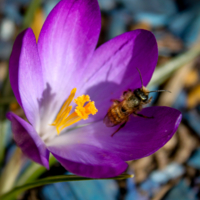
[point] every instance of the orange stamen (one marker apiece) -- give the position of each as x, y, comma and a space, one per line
63, 118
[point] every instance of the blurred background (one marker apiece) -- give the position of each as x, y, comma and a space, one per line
173, 172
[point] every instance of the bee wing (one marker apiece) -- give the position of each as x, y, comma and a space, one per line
107, 121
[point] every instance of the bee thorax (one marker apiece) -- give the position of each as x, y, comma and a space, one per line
134, 102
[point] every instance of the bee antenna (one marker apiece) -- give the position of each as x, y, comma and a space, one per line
160, 91
140, 76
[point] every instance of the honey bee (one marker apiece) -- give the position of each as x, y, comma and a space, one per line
131, 103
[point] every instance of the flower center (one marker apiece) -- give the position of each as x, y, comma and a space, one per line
63, 118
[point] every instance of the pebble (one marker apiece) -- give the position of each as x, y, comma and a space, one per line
194, 160
107, 5
193, 118
7, 29
118, 23
181, 191
173, 170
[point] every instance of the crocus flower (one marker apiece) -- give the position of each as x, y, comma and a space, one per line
46, 76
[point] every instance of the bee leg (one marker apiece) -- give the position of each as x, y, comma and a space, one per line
140, 115
149, 101
119, 128
129, 90
115, 102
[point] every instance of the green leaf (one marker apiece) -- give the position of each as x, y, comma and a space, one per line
54, 179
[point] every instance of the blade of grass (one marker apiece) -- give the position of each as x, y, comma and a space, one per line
163, 72
7, 100
11, 171
55, 179
34, 171
3, 127
28, 19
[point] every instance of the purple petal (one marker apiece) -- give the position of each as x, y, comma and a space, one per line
67, 42
26, 74
89, 161
28, 140
113, 68
139, 138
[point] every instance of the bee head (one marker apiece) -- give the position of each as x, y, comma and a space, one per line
141, 94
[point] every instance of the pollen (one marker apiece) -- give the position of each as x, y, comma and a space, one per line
83, 112
84, 108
